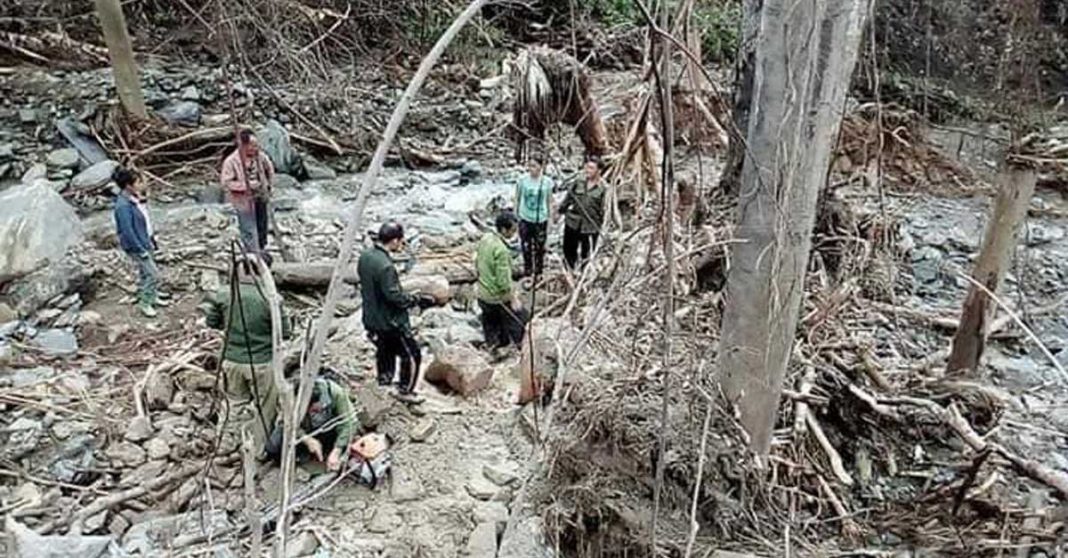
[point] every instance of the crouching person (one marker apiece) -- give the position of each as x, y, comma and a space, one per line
326, 429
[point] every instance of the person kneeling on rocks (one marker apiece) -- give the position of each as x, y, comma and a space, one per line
503, 317
326, 429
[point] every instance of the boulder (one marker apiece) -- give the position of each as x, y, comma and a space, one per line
66, 158
182, 113
94, 177
274, 140
316, 170
462, 369
37, 227
436, 286
28, 294
81, 138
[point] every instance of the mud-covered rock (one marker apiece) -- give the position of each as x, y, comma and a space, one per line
462, 369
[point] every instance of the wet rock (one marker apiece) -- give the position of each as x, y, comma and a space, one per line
56, 342
37, 171
316, 170
423, 429
182, 113
483, 541
23, 435
36, 226
275, 142
502, 474
157, 449
126, 454
462, 369
66, 158
480, 488
94, 177
284, 181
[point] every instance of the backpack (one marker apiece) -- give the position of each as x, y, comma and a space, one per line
370, 458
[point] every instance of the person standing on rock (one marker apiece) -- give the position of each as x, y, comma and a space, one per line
385, 311
503, 316
242, 310
533, 201
134, 226
247, 175
583, 211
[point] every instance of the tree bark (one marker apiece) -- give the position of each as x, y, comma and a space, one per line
123, 67
1017, 185
743, 93
805, 54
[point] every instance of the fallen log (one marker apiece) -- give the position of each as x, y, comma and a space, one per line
316, 275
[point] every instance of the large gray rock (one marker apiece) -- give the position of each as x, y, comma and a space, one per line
66, 158
483, 541
56, 342
95, 176
37, 171
182, 113
37, 227
274, 140
29, 293
80, 137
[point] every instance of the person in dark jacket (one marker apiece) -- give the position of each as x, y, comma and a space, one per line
583, 211
134, 226
243, 311
385, 310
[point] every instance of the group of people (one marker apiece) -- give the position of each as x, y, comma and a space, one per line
242, 311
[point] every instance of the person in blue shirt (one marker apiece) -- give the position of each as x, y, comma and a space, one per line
533, 202
134, 226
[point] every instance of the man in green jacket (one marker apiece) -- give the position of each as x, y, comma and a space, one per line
326, 429
385, 310
502, 314
248, 349
583, 211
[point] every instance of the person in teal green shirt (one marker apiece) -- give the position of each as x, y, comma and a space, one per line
533, 201
502, 314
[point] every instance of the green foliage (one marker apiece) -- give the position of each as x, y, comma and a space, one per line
613, 12
720, 23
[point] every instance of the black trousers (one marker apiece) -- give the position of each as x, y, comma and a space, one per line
391, 346
501, 325
263, 223
578, 246
533, 237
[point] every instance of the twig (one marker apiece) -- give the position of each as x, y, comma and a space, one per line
832, 454
694, 525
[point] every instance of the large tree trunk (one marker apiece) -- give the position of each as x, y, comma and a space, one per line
123, 66
804, 59
743, 94
1010, 209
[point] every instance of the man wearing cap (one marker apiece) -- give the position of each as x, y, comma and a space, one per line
385, 310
